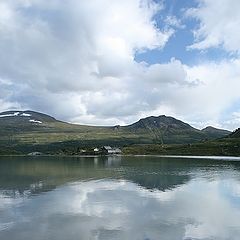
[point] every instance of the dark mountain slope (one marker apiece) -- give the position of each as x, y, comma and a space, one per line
161, 122
214, 133
166, 129
24, 121
17, 116
235, 134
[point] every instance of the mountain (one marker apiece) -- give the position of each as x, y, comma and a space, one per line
171, 130
164, 129
27, 131
21, 115
161, 122
23, 121
235, 134
214, 133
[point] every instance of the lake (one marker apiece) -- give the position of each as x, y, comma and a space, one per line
135, 198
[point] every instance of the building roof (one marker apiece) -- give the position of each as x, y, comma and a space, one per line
107, 147
117, 149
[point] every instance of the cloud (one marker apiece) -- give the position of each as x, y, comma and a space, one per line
233, 121
173, 21
218, 24
190, 210
75, 60
55, 52
213, 100
71, 46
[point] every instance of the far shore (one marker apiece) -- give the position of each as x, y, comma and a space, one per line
229, 158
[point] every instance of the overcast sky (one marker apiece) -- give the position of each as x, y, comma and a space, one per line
110, 62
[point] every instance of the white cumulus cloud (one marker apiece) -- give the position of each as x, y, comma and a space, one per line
218, 24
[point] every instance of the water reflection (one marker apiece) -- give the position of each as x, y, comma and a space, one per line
119, 198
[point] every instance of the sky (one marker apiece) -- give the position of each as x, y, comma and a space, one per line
109, 62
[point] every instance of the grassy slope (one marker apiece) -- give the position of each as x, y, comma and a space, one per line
220, 147
56, 136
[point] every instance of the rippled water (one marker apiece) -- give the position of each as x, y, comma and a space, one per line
119, 198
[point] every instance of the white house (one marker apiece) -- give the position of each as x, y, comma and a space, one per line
110, 150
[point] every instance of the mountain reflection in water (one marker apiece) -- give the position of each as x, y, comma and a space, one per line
118, 198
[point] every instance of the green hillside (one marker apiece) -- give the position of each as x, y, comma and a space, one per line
214, 133
226, 146
26, 131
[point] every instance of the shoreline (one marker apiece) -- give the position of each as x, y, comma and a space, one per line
212, 157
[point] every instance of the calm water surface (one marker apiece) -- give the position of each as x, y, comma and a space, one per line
130, 198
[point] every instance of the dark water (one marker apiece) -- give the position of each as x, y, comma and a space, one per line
131, 198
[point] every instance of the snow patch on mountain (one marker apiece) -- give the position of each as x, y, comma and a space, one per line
10, 114
25, 115
15, 114
34, 121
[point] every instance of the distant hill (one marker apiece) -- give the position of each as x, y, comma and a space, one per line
22, 115
26, 131
235, 134
23, 121
171, 130
214, 133
161, 122
164, 129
